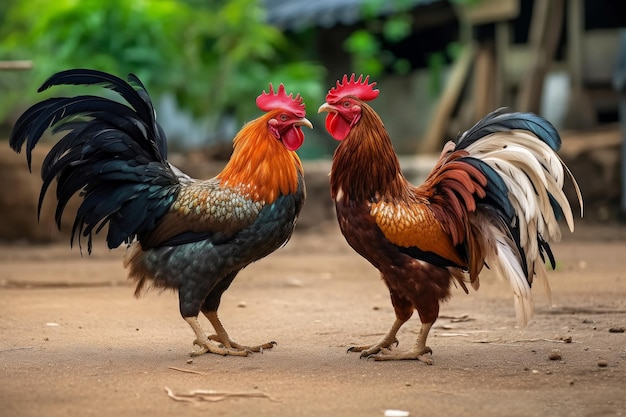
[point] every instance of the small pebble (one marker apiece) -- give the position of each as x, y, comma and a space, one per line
189, 361
555, 355
242, 304
603, 363
294, 282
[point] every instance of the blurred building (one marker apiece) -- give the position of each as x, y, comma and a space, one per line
553, 57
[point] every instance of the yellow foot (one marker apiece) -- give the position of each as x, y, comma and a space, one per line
367, 351
413, 354
208, 346
230, 344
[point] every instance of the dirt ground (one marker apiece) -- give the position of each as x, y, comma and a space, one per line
75, 341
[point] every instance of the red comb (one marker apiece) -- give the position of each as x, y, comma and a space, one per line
280, 100
359, 88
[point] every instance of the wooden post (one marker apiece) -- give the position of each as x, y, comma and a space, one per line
545, 31
580, 113
483, 90
447, 101
503, 41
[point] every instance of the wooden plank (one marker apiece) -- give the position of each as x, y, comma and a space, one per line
15, 65
447, 101
488, 11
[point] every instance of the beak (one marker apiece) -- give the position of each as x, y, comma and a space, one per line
304, 122
326, 108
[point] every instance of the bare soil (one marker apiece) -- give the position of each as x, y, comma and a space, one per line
75, 341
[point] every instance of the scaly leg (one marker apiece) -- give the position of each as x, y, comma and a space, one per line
417, 353
206, 345
222, 337
384, 343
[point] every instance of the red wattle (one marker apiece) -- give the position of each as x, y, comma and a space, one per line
337, 126
293, 138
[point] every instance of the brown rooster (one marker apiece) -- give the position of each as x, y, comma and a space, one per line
493, 198
192, 236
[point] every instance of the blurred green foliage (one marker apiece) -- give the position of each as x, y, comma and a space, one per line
369, 55
214, 56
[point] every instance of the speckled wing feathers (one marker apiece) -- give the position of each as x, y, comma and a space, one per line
205, 207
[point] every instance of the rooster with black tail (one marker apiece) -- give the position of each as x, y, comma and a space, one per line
494, 198
189, 235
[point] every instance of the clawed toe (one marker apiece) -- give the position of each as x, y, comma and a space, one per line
415, 354
234, 346
384, 350
373, 349
218, 349
264, 346
202, 351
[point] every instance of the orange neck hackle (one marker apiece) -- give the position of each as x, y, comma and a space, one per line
260, 165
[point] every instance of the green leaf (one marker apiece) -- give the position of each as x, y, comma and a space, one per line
362, 42
397, 28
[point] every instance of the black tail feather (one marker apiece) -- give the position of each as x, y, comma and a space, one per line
502, 120
112, 153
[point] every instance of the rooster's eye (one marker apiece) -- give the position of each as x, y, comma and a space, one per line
346, 104
283, 117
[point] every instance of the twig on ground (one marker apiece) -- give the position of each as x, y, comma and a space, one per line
540, 339
497, 339
200, 395
17, 348
189, 371
457, 319
510, 342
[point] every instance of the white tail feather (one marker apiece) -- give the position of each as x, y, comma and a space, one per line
531, 171
504, 261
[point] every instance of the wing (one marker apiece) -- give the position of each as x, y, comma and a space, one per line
432, 222
415, 230
204, 210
